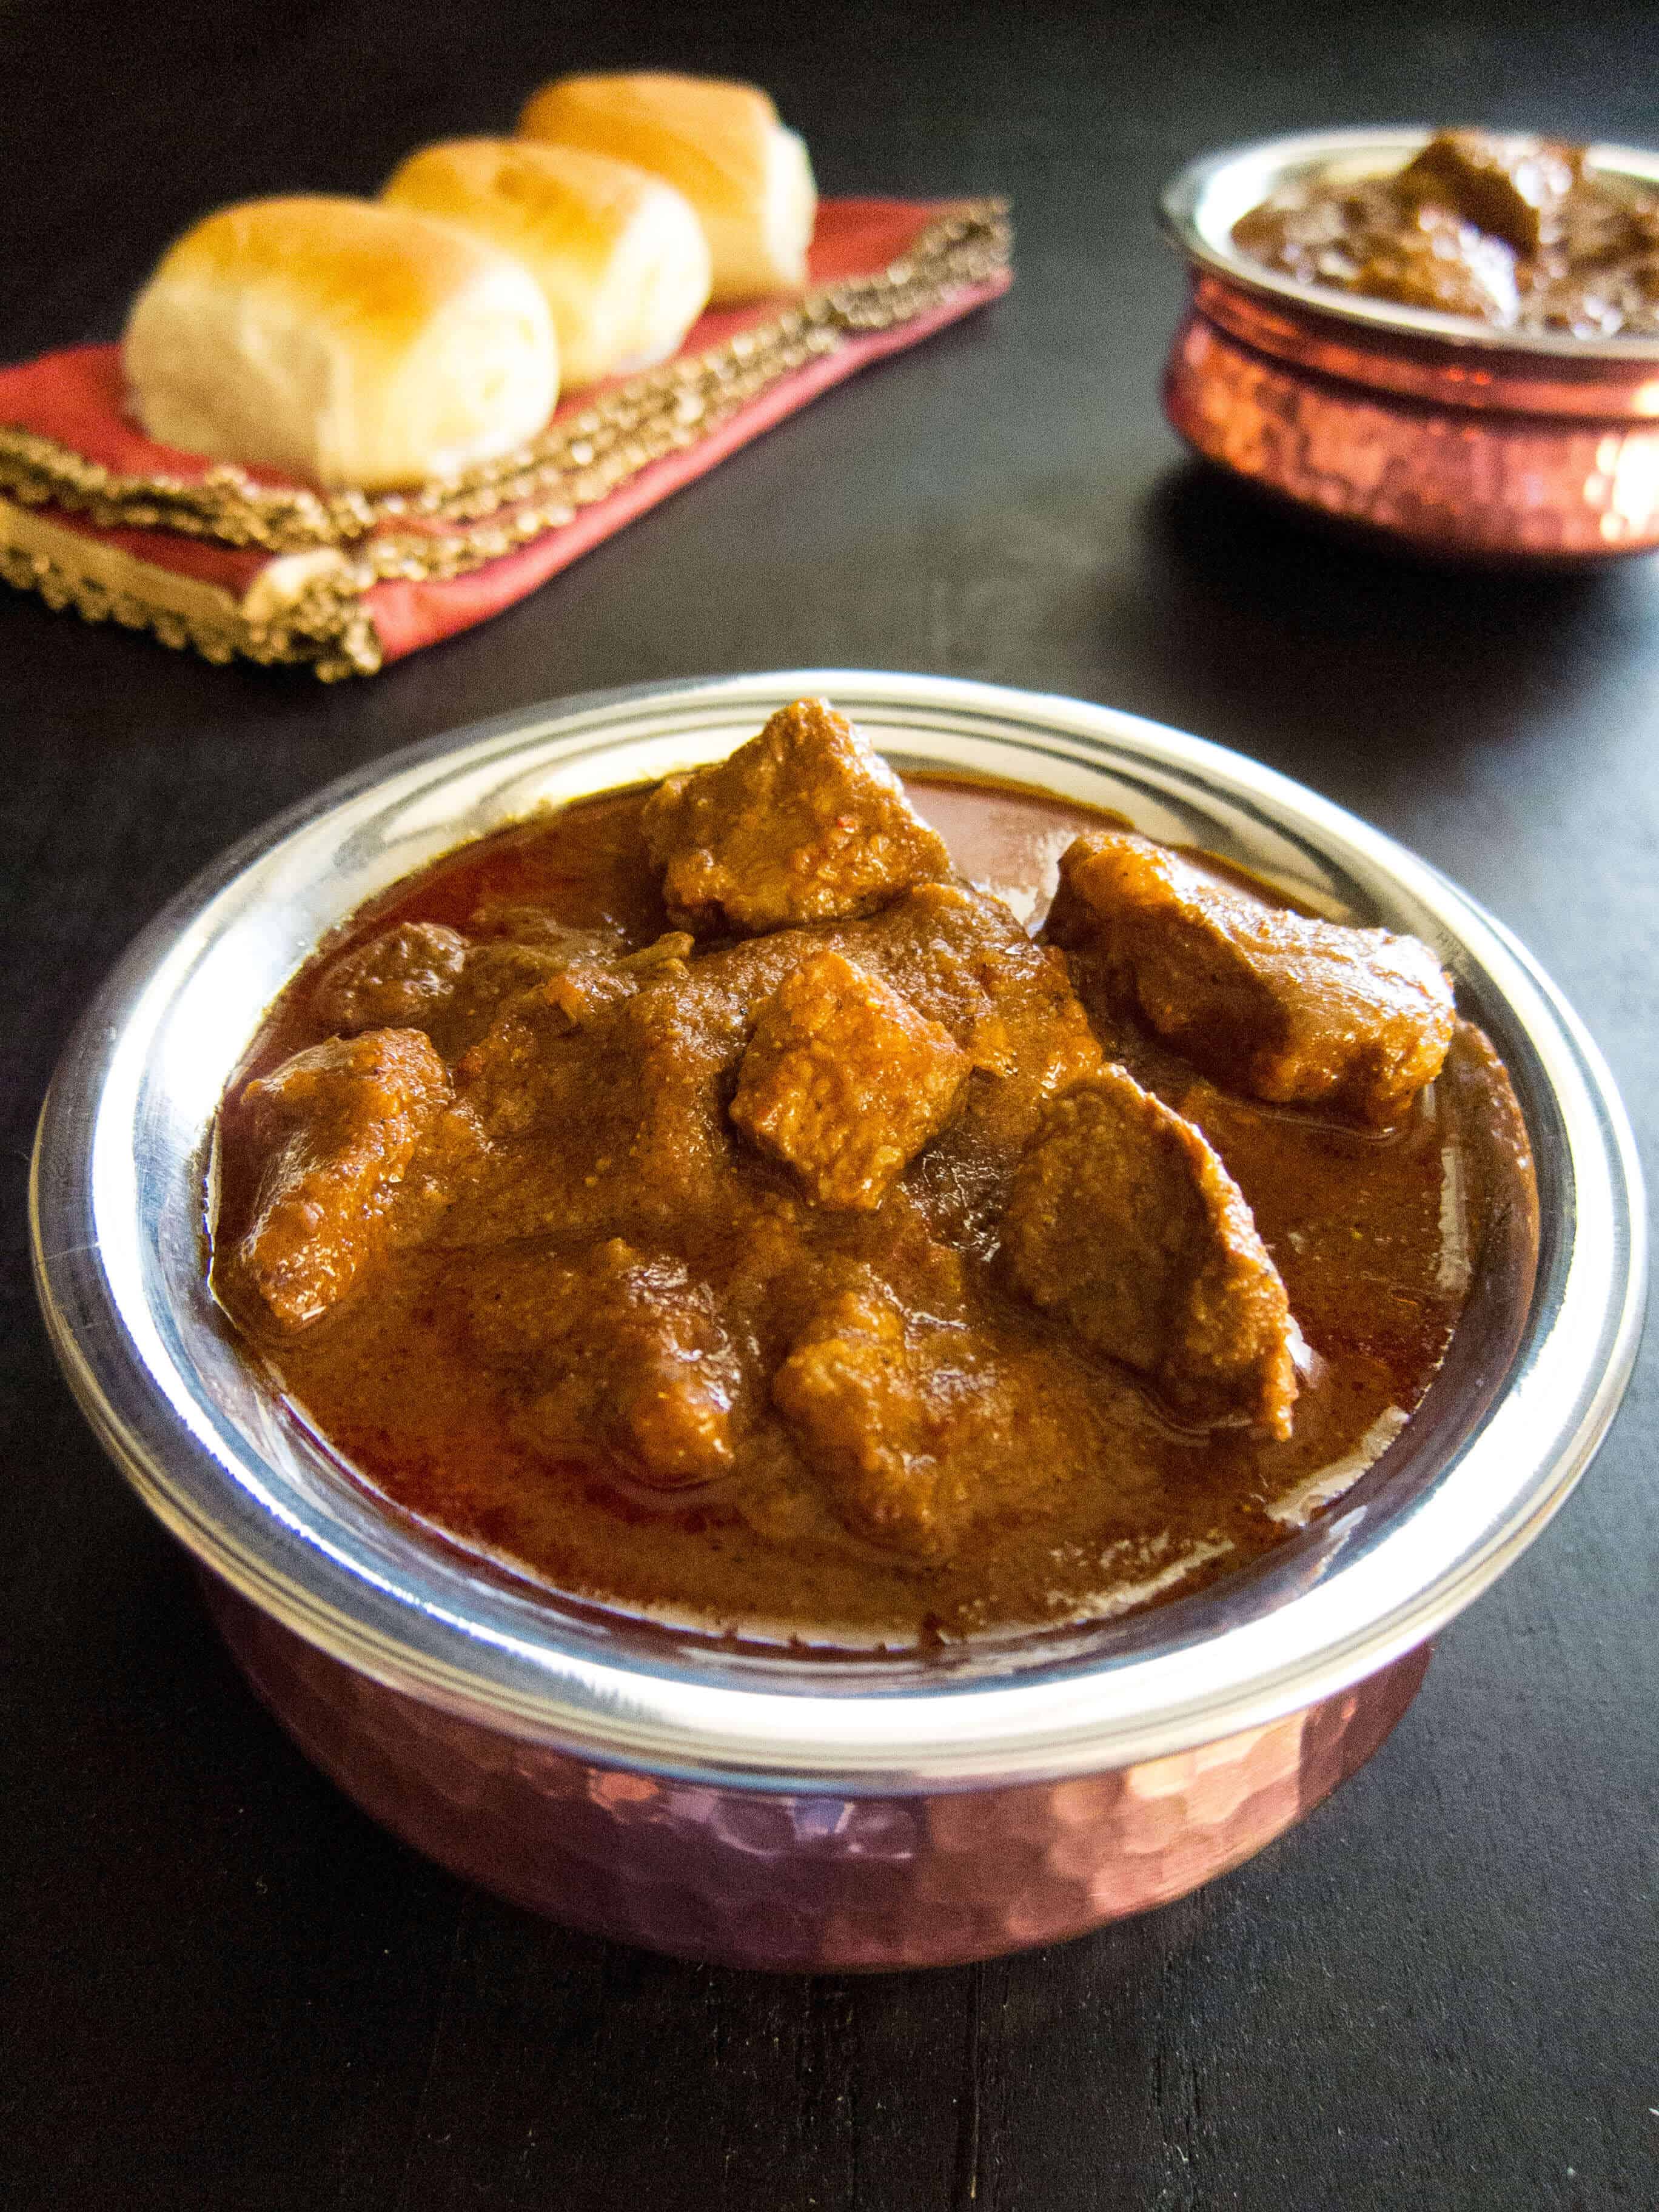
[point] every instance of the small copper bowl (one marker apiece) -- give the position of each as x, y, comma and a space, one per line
1432, 430
766, 1808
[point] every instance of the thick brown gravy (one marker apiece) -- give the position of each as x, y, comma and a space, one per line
1510, 231
1105, 1503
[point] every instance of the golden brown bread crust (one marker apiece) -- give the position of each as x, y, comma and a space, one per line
719, 143
619, 254
344, 343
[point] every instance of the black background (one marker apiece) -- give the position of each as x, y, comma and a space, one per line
222, 1985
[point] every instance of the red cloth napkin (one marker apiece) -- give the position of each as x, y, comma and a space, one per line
75, 398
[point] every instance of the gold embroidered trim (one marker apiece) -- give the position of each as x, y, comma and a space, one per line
308, 608
320, 620
571, 465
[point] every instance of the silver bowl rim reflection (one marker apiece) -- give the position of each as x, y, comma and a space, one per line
117, 1201
1199, 205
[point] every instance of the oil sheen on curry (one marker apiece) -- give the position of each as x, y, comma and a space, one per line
716, 1200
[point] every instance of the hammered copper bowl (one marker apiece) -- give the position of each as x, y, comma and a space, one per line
1429, 429
754, 1807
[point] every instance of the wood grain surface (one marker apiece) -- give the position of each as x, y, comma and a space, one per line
222, 1986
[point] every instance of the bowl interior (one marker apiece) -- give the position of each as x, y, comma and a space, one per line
1199, 207
1535, 1368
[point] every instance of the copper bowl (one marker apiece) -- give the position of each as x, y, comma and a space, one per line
763, 1806
1433, 430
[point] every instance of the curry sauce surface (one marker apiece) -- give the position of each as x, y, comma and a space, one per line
1096, 1501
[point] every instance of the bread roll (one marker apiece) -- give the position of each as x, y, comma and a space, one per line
620, 256
341, 342
721, 144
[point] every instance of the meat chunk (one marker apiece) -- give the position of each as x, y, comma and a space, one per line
845, 1081
396, 981
519, 924
497, 972
805, 823
623, 1352
607, 1095
344, 1127
1293, 1011
604, 1095
576, 980
1124, 1224
423, 975
959, 957
1511, 186
1442, 262
900, 1431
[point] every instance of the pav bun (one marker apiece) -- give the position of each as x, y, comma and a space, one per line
341, 342
721, 144
620, 256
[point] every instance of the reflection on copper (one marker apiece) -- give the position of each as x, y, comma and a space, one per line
1482, 451
1491, 376
801, 1881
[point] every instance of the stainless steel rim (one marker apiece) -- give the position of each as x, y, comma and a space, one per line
115, 1206
1199, 207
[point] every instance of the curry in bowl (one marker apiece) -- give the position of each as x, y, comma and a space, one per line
715, 1201
1518, 233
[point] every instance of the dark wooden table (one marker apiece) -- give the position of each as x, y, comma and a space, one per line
222, 1985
